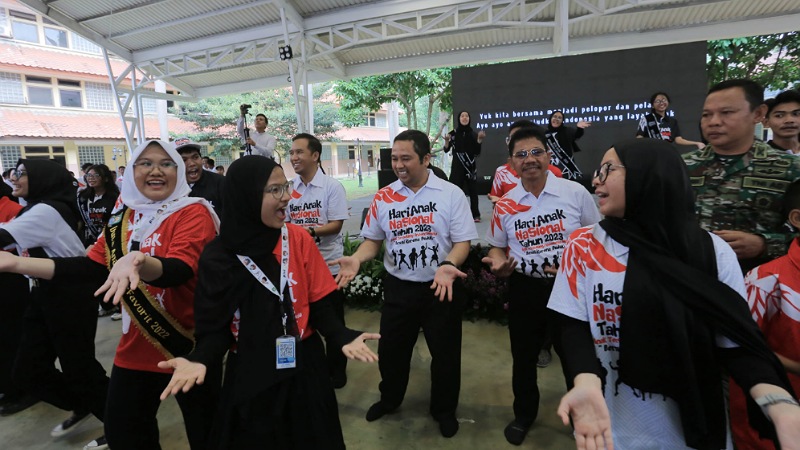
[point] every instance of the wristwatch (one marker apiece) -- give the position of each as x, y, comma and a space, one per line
773, 399
312, 232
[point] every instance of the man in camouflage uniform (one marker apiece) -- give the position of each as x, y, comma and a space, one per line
738, 181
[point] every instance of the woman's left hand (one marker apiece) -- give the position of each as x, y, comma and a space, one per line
584, 124
358, 348
124, 275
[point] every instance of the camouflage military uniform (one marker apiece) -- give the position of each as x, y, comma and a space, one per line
744, 193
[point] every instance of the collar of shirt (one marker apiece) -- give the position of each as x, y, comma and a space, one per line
552, 186
316, 181
433, 182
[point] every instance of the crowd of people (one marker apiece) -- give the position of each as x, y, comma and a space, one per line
670, 297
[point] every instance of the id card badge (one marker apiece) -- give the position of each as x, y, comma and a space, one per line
285, 354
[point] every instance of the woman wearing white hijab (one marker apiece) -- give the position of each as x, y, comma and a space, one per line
148, 258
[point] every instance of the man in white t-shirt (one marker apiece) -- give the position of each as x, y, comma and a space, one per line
427, 226
259, 142
529, 230
319, 204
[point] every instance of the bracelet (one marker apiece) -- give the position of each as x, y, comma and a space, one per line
773, 399
447, 263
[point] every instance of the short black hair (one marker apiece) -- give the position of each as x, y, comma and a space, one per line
86, 166
211, 162
753, 92
266, 121
188, 148
790, 96
313, 143
522, 123
527, 133
791, 198
422, 145
653, 97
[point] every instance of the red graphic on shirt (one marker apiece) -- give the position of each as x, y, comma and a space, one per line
296, 194
585, 252
505, 179
506, 206
385, 195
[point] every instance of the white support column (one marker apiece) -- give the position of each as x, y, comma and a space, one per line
300, 99
161, 109
310, 98
393, 121
122, 102
561, 31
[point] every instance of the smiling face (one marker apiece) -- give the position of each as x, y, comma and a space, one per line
463, 119
273, 210
728, 123
194, 166
19, 179
93, 179
611, 192
660, 104
304, 161
532, 170
556, 120
156, 183
406, 165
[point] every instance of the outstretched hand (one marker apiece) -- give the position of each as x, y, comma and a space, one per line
587, 408
348, 269
443, 281
357, 349
124, 275
186, 375
500, 267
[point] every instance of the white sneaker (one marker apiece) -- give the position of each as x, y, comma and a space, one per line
116, 316
69, 425
97, 444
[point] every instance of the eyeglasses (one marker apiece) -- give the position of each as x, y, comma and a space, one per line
148, 165
17, 174
535, 152
92, 175
277, 190
661, 100
602, 173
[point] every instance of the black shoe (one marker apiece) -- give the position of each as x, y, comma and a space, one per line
339, 379
377, 411
70, 424
448, 426
97, 444
14, 406
515, 432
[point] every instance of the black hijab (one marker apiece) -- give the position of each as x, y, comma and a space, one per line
466, 140
225, 285
51, 184
674, 304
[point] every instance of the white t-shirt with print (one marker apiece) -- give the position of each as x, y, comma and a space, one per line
535, 230
315, 204
42, 226
419, 228
589, 288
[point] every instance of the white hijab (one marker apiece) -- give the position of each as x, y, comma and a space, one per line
150, 214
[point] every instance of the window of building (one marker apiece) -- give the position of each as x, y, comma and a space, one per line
40, 96
11, 88
56, 153
55, 37
99, 96
326, 153
70, 94
9, 155
92, 154
380, 120
82, 44
370, 119
24, 31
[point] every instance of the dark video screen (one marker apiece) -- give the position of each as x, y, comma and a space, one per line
611, 90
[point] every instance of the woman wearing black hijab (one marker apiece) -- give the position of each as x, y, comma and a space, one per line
61, 318
652, 310
243, 303
465, 144
562, 142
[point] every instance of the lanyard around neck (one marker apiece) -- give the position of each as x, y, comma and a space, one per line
259, 275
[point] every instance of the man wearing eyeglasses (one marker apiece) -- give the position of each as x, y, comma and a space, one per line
739, 181
529, 230
204, 184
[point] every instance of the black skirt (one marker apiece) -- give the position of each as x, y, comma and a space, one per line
300, 412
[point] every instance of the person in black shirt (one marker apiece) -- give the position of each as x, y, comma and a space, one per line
96, 202
204, 184
466, 146
783, 117
658, 125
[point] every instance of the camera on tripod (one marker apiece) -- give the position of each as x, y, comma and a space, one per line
245, 108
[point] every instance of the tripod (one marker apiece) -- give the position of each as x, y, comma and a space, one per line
248, 150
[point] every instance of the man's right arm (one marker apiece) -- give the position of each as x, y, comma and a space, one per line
240, 127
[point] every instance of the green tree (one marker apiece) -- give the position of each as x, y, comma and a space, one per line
216, 117
772, 60
422, 94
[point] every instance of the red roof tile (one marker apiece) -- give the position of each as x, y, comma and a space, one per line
76, 125
30, 56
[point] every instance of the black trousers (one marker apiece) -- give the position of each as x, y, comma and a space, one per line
458, 176
409, 306
133, 401
14, 300
337, 362
62, 324
528, 318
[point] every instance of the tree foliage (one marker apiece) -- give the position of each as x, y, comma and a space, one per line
420, 93
216, 117
772, 60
